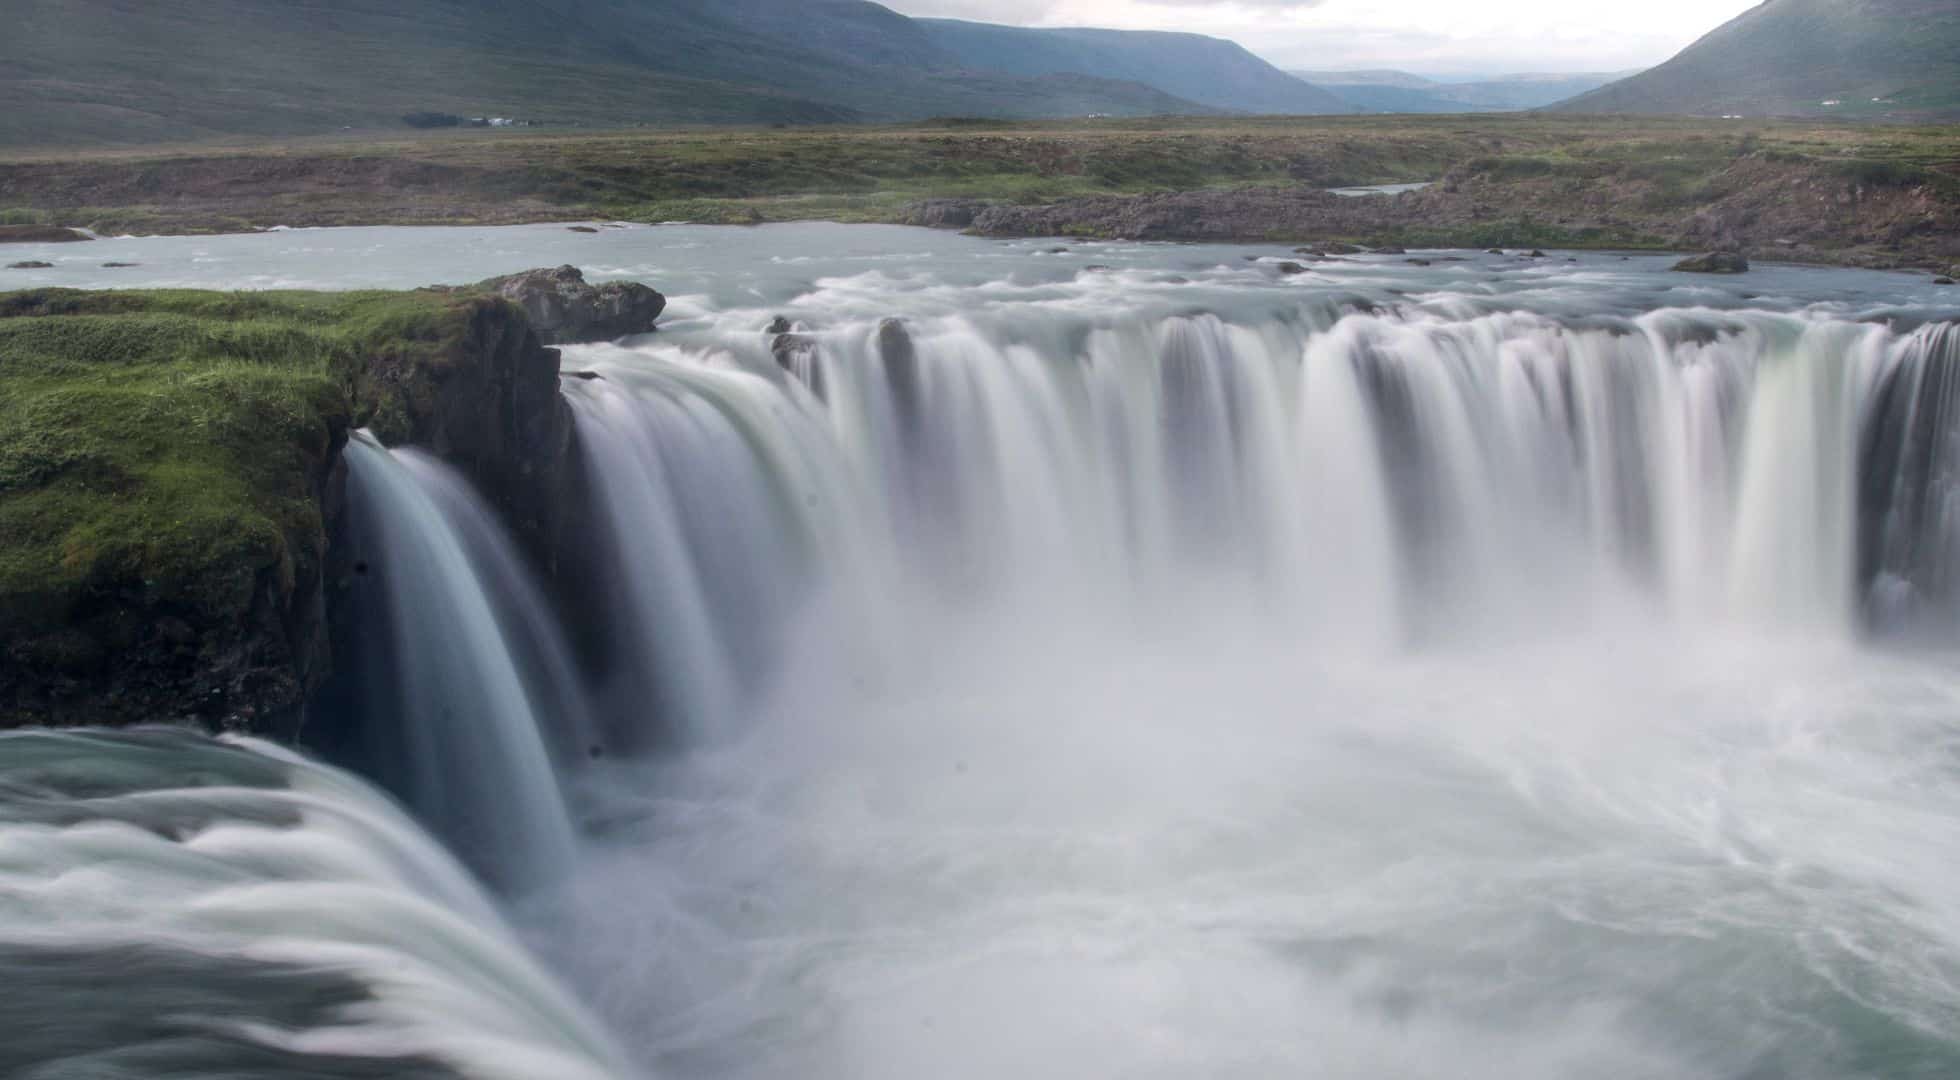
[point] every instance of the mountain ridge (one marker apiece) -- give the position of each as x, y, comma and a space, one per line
1882, 59
1405, 92
280, 67
1210, 71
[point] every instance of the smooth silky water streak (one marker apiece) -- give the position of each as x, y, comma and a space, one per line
453, 723
182, 908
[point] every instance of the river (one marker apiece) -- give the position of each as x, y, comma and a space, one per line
1104, 659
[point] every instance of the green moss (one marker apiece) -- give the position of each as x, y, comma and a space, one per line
170, 442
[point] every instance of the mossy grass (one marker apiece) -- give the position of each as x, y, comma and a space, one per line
171, 441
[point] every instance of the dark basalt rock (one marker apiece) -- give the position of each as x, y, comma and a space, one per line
1290, 268
1942, 281
31, 264
564, 310
1417, 262
41, 234
797, 354
1493, 251
1715, 262
779, 325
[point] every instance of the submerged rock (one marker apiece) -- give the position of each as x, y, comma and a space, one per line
31, 264
1291, 268
1942, 281
564, 310
118, 265
779, 325
1715, 262
582, 228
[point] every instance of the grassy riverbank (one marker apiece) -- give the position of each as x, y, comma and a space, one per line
1871, 194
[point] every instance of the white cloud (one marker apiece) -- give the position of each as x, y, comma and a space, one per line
1436, 36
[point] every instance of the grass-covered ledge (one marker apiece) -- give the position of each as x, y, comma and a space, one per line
166, 469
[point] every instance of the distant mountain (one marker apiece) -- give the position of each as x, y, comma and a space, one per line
1879, 58
88, 71
1402, 92
1210, 71
1402, 79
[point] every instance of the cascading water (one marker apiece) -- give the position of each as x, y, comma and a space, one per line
1176, 668
445, 706
256, 916
1321, 688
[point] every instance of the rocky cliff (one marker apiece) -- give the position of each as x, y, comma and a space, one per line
170, 478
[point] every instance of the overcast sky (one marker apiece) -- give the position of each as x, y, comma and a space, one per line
1427, 36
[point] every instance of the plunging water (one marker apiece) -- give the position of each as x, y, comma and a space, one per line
1136, 661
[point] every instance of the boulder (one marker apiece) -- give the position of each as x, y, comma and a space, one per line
778, 326
1493, 251
1715, 262
1942, 281
564, 310
1291, 268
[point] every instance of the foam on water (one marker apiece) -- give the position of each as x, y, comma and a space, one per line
1140, 661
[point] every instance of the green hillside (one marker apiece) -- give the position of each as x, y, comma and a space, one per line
1892, 59
1206, 70
94, 71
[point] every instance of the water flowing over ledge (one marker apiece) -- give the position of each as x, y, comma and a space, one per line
256, 915
1175, 665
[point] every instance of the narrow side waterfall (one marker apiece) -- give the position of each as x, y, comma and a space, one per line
441, 686
256, 916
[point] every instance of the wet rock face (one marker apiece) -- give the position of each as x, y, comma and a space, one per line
1715, 262
565, 310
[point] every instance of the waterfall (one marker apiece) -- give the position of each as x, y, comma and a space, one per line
255, 915
1394, 476
453, 724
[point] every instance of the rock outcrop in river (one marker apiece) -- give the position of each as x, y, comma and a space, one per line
565, 310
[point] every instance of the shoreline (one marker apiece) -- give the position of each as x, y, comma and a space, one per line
1859, 196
